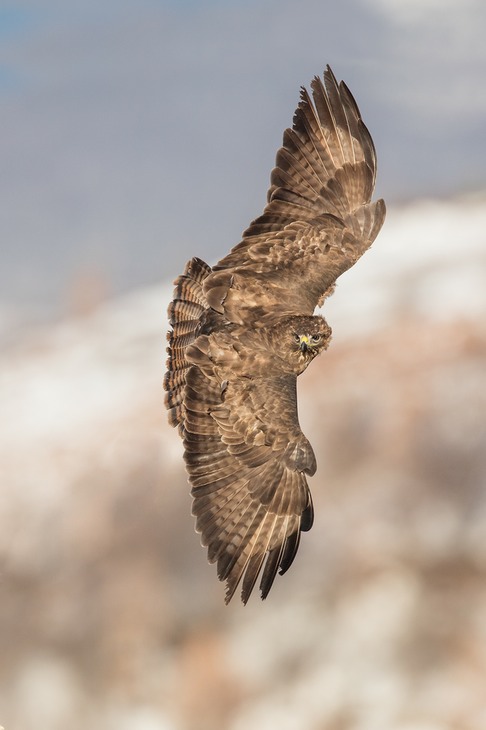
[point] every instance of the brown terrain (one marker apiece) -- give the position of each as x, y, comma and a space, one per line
110, 617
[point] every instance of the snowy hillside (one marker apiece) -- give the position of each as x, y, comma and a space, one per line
428, 262
112, 619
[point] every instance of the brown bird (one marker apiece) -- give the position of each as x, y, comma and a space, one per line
243, 331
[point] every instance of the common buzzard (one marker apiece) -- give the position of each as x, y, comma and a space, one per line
243, 330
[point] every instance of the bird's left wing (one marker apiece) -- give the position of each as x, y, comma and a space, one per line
247, 459
319, 218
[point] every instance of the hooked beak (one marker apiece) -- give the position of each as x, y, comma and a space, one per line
304, 343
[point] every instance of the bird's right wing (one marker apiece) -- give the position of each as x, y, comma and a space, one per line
247, 459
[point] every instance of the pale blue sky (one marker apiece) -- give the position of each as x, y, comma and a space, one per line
137, 133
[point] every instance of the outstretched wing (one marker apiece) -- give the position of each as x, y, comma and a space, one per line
247, 459
318, 220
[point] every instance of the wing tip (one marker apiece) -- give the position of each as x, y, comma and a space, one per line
275, 561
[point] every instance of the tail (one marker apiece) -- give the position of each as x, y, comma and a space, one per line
184, 314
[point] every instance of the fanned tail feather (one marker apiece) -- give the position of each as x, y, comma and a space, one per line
184, 312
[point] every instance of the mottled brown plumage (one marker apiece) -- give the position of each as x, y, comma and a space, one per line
244, 330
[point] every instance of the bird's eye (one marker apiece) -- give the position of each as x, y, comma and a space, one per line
297, 337
316, 338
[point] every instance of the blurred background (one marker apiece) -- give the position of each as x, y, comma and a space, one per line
134, 136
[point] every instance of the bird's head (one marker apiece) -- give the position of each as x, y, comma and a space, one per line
305, 338
307, 342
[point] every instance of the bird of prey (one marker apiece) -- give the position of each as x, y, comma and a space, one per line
243, 330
